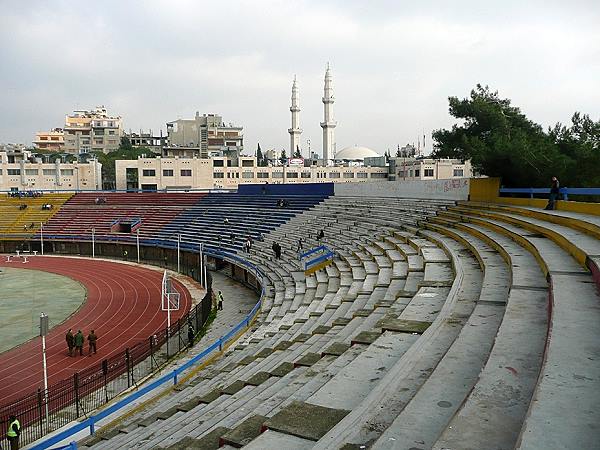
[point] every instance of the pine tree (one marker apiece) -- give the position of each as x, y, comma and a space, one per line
283, 157
297, 153
259, 156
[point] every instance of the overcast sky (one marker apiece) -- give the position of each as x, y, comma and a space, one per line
394, 63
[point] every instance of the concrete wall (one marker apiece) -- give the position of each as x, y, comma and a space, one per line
457, 189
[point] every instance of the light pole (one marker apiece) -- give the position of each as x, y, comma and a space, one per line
93, 242
43, 333
202, 266
137, 243
42, 237
178, 252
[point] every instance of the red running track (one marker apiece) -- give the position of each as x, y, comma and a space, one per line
123, 306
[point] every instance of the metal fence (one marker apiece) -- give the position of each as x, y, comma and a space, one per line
40, 413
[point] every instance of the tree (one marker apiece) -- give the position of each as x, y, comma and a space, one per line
125, 151
259, 156
297, 153
500, 141
283, 157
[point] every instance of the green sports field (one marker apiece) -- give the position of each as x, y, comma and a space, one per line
25, 293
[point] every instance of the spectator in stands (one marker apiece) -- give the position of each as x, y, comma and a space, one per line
220, 301
125, 255
97, 201
13, 432
232, 239
274, 248
70, 341
22, 206
554, 191
320, 235
92, 338
31, 225
226, 221
190, 335
277, 250
247, 245
280, 203
79, 343
299, 245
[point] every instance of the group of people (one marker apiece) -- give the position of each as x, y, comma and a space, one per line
283, 203
25, 194
100, 200
47, 207
76, 341
30, 227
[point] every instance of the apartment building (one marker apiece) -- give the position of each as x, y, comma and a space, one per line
225, 173
20, 172
203, 136
92, 131
53, 140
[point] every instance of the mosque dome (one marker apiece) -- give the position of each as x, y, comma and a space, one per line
355, 153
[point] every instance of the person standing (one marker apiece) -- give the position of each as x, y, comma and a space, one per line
79, 343
70, 341
299, 245
92, 338
220, 301
191, 335
321, 235
13, 433
554, 191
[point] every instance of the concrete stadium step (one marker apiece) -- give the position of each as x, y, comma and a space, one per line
379, 409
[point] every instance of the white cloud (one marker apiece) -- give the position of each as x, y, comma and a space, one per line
394, 63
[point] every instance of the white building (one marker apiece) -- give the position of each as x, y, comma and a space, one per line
20, 172
429, 169
224, 173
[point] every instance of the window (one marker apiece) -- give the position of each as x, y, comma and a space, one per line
217, 163
428, 172
348, 174
417, 173
111, 132
458, 172
99, 132
54, 138
292, 175
247, 163
361, 175
334, 174
49, 171
247, 174
148, 172
167, 172
262, 175
98, 141
43, 138
305, 175
379, 175
31, 171
186, 172
218, 175
277, 174
66, 172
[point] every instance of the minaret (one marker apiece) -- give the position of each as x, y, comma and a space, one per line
328, 123
295, 131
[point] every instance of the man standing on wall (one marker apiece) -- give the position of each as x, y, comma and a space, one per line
554, 191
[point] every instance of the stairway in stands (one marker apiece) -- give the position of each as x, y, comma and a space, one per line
437, 326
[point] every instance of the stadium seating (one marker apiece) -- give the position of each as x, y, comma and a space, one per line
17, 220
437, 326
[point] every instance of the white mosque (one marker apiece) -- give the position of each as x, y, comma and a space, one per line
353, 154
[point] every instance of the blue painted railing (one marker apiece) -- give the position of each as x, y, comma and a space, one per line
564, 192
92, 420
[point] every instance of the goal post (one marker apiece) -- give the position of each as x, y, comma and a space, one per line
169, 297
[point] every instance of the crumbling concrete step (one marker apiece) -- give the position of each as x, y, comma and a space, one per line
243, 433
305, 420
